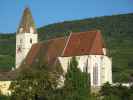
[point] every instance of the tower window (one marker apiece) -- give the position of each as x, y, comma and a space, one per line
95, 74
21, 41
31, 41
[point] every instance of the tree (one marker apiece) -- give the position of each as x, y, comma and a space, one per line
107, 91
76, 85
34, 82
131, 92
117, 92
4, 97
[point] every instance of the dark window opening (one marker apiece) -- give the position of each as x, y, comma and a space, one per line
31, 41
21, 41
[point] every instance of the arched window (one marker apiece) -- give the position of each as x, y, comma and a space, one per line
85, 67
95, 74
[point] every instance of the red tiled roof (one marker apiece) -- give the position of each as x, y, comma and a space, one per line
80, 43
46, 51
33, 52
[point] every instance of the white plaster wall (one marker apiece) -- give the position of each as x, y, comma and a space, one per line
106, 70
19, 56
104, 66
95, 59
4, 87
23, 40
29, 36
92, 59
65, 62
82, 61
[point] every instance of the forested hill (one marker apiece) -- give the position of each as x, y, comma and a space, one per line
117, 31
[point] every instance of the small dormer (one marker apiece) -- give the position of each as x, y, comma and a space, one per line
31, 30
104, 51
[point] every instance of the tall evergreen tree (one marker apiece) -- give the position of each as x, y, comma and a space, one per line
76, 85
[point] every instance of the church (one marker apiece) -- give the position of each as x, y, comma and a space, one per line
87, 47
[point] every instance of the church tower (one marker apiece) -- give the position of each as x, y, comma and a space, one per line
26, 36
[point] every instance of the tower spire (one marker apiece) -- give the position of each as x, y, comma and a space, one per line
27, 24
26, 36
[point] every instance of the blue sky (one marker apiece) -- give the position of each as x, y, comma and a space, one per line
51, 11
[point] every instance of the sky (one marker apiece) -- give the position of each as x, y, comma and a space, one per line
47, 12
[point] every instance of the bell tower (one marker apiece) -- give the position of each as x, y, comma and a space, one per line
26, 36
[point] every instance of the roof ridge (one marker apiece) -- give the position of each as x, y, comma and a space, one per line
54, 39
73, 33
77, 33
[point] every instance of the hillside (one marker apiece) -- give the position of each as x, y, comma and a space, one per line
117, 31
7, 50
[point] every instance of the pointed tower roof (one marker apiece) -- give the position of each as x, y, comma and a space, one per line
27, 24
